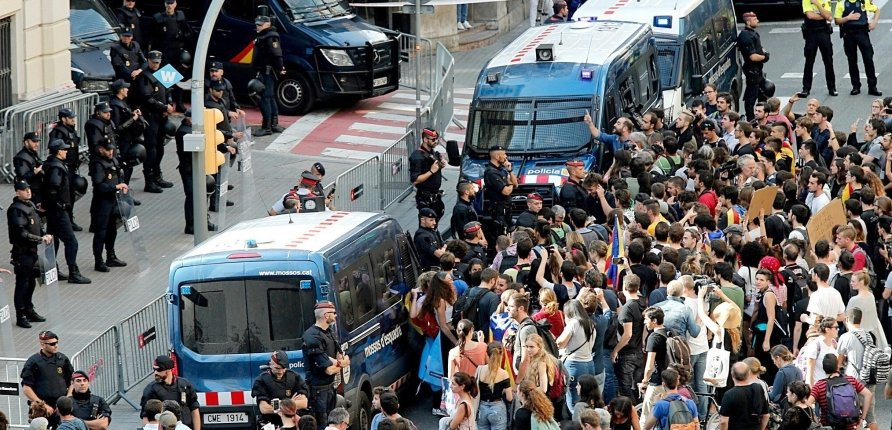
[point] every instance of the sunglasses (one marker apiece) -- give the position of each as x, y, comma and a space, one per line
51, 343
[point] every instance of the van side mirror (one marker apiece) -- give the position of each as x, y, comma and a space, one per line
697, 84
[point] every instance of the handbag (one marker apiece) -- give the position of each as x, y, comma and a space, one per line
718, 362
815, 422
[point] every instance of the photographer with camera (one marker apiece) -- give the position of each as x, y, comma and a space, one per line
426, 173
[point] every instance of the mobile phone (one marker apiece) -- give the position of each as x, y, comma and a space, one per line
801, 95
276, 404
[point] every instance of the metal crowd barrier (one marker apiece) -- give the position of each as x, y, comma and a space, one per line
412, 57
395, 182
358, 189
38, 115
99, 360
142, 337
12, 401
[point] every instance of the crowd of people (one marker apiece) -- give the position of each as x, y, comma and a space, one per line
653, 284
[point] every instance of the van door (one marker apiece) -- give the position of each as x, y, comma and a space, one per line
233, 40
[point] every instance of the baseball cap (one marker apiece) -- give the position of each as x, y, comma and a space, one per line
166, 420
319, 168
496, 148
57, 144
325, 304
102, 107
118, 84
126, 31
109, 145
708, 124
32, 136
22, 185
46, 334
217, 85
162, 362
79, 374
66, 113
427, 213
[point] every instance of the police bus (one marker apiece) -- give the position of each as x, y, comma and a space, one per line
696, 43
533, 95
251, 289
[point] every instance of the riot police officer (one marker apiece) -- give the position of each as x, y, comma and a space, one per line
816, 30
65, 129
573, 194
463, 212
277, 383
216, 74
129, 126
156, 105
58, 200
754, 57
428, 242
47, 374
105, 171
267, 62
127, 57
28, 167
499, 182
851, 17
90, 408
129, 17
168, 386
426, 173
99, 129
25, 233
172, 36
323, 359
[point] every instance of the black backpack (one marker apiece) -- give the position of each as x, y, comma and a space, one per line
508, 261
544, 331
467, 306
611, 335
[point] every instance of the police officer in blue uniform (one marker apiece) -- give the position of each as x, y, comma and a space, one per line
816, 31
172, 35
323, 359
267, 62
90, 408
277, 383
58, 200
156, 105
47, 374
108, 180
65, 129
215, 72
28, 168
129, 126
129, 16
854, 27
754, 57
127, 57
499, 182
25, 233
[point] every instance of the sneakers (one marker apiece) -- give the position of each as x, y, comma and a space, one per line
439, 412
467, 25
460, 27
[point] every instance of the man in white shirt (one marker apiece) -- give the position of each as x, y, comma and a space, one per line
817, 198
850, 353
826, 301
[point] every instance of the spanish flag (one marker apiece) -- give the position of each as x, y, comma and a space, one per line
847, 192
617, 250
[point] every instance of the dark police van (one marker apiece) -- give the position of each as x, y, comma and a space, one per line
328, 50
93, 32
251, 289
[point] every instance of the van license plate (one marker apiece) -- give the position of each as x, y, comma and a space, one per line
379, 81
226, 418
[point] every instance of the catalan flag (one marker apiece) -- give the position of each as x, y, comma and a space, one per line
617, 250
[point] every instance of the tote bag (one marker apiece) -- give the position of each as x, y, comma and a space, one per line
718, 361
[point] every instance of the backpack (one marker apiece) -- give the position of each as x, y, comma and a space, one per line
558, 388
678, 352
801, 361
875, 364
868, 266
611, 335
842, 402
544, 331
680, 417
508, 261
466, 307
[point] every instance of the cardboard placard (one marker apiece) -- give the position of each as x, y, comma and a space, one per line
762, 199
820, 226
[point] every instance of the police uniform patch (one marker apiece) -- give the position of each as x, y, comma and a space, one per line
156, 88
275, 44
183, 398
287, 393
127, 63
58, 369
109, 176
32, 223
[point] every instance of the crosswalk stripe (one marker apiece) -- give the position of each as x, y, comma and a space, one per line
384, 116
378, 128
349, 153
861, 74
297, 132
362, 140
795, 75
470, 91
785, 30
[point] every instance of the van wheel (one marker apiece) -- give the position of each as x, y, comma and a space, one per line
362, 411
294, 94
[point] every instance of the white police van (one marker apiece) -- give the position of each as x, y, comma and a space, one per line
696, 43
532, 97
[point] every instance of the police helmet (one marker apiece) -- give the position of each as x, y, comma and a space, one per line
136, 154
79, 185
58, 144
170, 129
767, 88
255, 87
210, 184
185, 57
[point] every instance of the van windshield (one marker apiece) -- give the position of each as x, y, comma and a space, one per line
239, 316
90, 23
315, 9
531, 125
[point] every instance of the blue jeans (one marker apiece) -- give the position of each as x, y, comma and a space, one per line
601, 378
609, 391
699, 363
492, 416
576, 369
268, 106
462, 12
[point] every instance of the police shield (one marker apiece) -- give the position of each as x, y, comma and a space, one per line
132, 230
220, 194
49, 276
249, 200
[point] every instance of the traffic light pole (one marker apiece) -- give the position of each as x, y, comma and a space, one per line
195, 142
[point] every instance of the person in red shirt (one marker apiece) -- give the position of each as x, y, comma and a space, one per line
845, 239
819, 391
550, 312
708, 197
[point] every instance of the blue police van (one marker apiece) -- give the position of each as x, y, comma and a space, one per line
696, 43
250, 290
93, 33
328, 50
533, 95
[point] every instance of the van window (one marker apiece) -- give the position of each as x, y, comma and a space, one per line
213, 318
609, 112
627, 89
240, 9
285, 306
384, 265
356, 293
707, 45
90, 19
654, 76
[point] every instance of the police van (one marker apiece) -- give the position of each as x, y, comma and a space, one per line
250, 290
328, 50
532, 97
92, 35
696, 43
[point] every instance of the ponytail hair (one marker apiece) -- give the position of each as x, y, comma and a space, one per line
467, 383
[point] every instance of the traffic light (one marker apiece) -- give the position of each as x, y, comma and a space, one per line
213, 159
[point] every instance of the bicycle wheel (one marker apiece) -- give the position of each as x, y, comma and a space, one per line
713, 422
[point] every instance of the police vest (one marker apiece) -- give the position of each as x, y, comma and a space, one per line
28, 211
854, 6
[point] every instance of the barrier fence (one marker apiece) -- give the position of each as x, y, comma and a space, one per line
38, 116
117, 361
378, 182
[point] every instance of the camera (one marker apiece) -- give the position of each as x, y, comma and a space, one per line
703, 281
619, 261
729, 169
